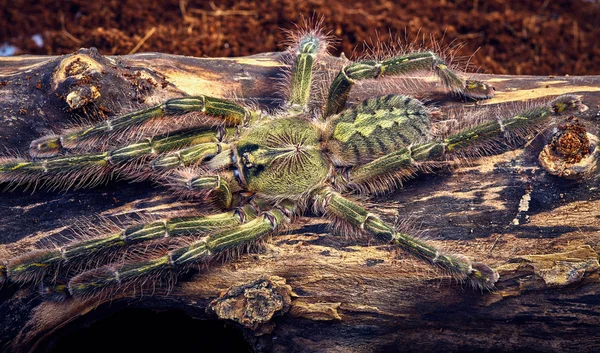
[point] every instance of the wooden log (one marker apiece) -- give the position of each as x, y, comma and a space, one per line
325, 293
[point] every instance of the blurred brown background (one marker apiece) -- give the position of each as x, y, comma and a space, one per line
539, 37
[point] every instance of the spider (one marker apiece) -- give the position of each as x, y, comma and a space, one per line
259, 171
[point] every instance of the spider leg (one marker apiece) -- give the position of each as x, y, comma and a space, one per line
307, 50
197, 183
385, 171
216, 110
400, 65
333, 203
34, 265
199, 251
87, 170
195, 154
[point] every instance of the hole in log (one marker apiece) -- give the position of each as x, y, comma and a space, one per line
144, 330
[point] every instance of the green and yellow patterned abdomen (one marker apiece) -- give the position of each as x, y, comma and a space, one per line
376, 127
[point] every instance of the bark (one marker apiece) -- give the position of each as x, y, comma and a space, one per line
324, 292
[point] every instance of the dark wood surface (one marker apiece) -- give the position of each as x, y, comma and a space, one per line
346, 295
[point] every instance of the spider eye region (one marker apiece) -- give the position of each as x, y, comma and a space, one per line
282, 157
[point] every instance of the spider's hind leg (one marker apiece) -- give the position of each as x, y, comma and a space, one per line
401, 65
458, 266
484, 138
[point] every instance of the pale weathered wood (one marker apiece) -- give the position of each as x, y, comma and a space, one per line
346, 295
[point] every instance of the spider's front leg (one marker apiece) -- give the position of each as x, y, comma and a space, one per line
143, 123
35, 265
220, 186
91, 169
217, 186
333, 203
200, 251
401, 65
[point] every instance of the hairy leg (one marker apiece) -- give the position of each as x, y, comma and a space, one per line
88, 170
33, 266
462, 269
201, 251
405, 64
306, 52
217, 111
387, 170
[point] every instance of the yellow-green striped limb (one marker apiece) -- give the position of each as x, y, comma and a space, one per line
88, 170
201, 251
309, 47
458, 266
386, 170
226, 112
34, 265
196, 183
401, 65
200, 150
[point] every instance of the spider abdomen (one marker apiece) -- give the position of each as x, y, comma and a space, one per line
376, 127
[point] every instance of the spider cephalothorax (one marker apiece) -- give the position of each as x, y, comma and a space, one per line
260, 170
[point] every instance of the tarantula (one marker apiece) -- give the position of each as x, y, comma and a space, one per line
260, 170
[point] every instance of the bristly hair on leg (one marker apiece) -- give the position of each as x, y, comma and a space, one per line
85, 249
305, 46
498, 129
93, 243
106, 280
180, 258
310, 27
414, 226
484, 132
54, 289
414, 84
202, 111
410, 225
53, 144
131, 161
159, 241
383, 183
64, 173
213, 189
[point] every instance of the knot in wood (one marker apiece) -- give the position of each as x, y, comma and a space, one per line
570, 141
254, 304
